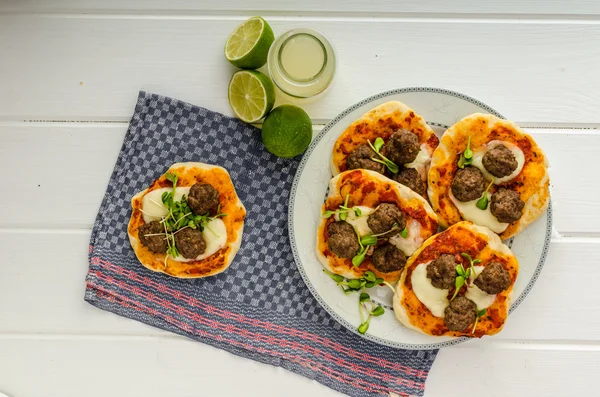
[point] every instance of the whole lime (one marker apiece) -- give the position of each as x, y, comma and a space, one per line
287, 131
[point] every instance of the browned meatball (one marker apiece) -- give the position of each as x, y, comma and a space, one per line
203, 199
507, 205
156, 244
402, 147
361, 158
499, 161
383, 219
410, 178
190, 243
468, 184
342, 239
493, 279
442, 271
461, 313
387, 258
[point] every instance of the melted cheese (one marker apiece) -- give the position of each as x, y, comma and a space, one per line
153, 209
215, 235
469, 211
421, 163
412, 241
435, 299
516, 151
481, 298
359, 223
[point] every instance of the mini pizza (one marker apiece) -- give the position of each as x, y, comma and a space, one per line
390, 139
370, 222
488, 171
464, 255
188, 223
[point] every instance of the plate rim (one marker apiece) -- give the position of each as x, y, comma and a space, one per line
291, 233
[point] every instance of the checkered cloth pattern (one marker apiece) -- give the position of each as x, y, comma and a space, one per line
259, 308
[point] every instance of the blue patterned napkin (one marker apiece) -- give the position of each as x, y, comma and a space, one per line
259, 308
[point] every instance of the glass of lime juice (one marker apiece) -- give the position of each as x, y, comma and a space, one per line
302, 63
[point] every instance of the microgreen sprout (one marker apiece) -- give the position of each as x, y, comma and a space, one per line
362, 252
180, 216
482, 203
343, 211
384, 160
370, 240
404, 233
460, 279
480, 313
466, 157
366, 306
472, 263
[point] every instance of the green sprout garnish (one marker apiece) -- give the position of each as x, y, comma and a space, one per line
180, 216
472, 263
362, 252
370, 240
460, 279
343, 211
480, 314
367, 241
365, 303
466, 157
384, 160
482, 203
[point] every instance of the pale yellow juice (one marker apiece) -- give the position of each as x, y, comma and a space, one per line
302, 63
302, 57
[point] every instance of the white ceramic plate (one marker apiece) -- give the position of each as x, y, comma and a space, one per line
440, 108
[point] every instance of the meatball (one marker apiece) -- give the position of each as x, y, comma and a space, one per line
493, 279
383, 219
342, 239
387, 258
468, 184
499, 161
410, 178
190, 243
442, 271
506, 205
461, 313
203, 199
402, 147
361, 158
156, 244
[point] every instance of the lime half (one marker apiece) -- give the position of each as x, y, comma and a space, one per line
251, 95
287, 131
248, 45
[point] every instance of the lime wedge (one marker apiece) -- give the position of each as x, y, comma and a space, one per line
248, 45
251, 95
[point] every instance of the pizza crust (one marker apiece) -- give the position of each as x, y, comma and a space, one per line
481, 243
188, 174
381, 122
532, 183
369, 188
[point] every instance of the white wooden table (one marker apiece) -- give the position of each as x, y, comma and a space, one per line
69, 77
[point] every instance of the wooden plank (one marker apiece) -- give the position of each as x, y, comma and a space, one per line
91, 67
69, 165
314, 6
49, 291
131, 367
178, 367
